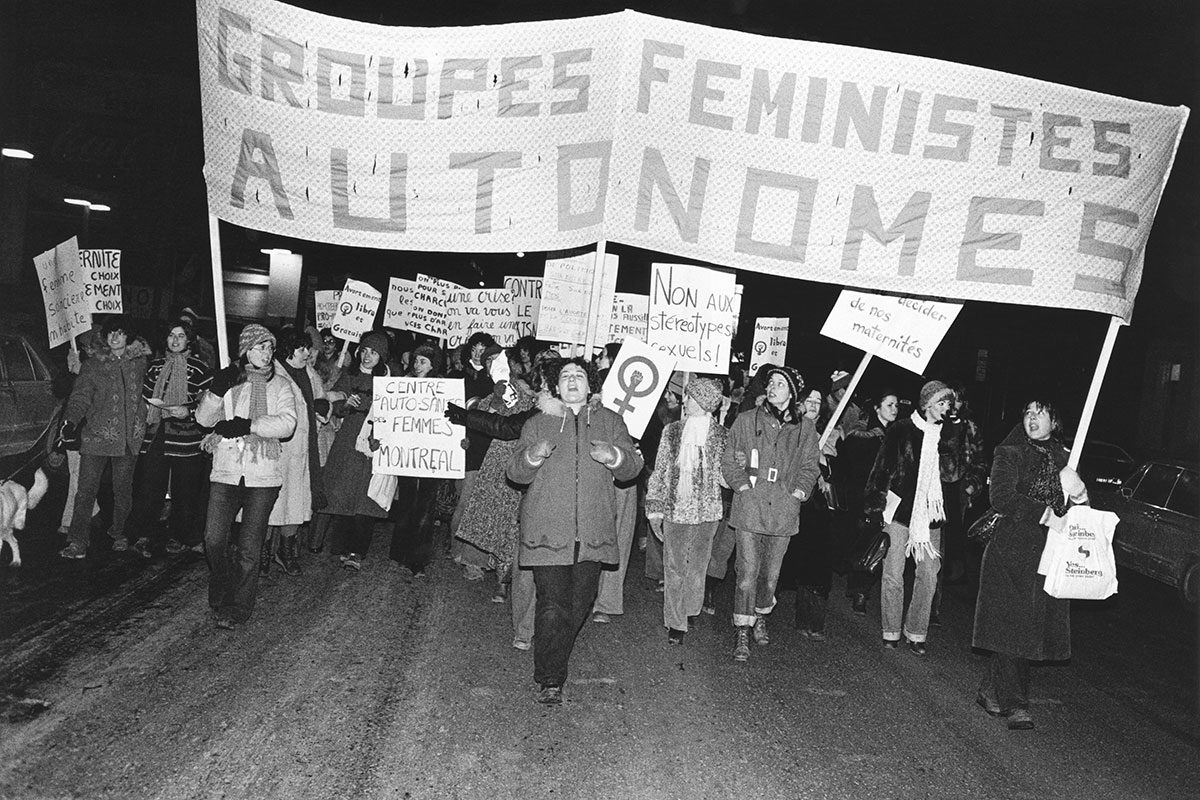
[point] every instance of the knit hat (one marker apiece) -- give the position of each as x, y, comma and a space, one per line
840, 379
794, 381
706, 392
432, 353
377, 341
252, 336
932, 392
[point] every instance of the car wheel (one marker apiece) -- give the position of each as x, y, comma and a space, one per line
1189, 584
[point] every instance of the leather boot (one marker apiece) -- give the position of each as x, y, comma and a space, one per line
287, 555
264, 557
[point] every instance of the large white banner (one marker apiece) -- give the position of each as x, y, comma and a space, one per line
409, 420
693, 315
808, 160
64, 291
903, 330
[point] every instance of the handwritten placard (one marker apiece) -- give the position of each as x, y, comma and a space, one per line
356, 309
770, 342
399, 300
325, 307
629, 315
102, 280
903, 330
693, 315
487, 310
64, 290
427, 314
637, 379
527, 297
409, 420
567, 294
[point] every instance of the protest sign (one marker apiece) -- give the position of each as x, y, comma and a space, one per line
399, 300
634, 383
527, 297
102, 280
692, 315
356, 309
427, 314
770, 342
903, 330
325, 307
487, 310
416, 439
891, 172
64, 291
629, 313
567, 294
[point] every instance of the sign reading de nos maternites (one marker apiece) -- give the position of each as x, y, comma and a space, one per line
416, 439
842, 165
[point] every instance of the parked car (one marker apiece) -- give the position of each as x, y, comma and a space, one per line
29, 409
1159, 532
1105, 464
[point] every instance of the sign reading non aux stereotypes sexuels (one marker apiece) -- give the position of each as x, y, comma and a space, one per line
416, 439
903, 330
427, 314
634, 383
401, 292
102, 280
693, 315
527, 297
567, 294
485, 310
64, 290
356, 309
770, 342
890, 172
325, 307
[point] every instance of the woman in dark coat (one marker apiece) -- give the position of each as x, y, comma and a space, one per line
1014, 617
859, 449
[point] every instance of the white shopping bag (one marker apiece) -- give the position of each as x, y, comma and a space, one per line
1079, 556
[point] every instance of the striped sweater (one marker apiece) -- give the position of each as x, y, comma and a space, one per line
183, 436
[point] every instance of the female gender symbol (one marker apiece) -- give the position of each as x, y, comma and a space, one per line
629, 383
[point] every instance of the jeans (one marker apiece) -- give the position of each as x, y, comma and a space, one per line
1006, 682
686, 550
185, 476
523, 595
611, 596
233, 557
91, 469
412, 523
759, 558
891, 595
564, 599
723, 542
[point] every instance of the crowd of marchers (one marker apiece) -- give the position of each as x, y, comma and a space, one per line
269, 459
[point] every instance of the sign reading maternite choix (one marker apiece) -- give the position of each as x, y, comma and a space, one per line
409, 420
102, 280
693, 315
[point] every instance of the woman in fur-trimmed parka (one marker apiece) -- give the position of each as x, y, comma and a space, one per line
569, 458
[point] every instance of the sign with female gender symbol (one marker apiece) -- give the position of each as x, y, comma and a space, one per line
635, 382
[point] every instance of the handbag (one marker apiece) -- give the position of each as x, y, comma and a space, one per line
870, 559
983, 529
833, 498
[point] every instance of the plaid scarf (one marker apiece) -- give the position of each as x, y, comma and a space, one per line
255, 444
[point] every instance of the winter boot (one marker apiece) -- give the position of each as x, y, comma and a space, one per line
264, 557
741, 648
287, 555
761, 637
710, 587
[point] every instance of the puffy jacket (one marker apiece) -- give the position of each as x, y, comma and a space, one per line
571, 497
107, 398
765, 506
231, 461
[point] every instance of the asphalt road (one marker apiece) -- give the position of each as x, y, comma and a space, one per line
376, 685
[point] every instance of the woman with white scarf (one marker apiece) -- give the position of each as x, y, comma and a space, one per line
904, 495
683, 502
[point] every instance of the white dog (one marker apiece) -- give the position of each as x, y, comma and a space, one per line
15, 500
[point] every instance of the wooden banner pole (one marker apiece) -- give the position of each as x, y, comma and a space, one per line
594, 310
218, 281
845, 401
1089, 405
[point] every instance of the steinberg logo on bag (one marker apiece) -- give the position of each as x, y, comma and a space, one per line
1081, 571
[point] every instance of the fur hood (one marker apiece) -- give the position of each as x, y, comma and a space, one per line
134, 349
549, 404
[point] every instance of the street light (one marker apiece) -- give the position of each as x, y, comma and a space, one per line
98, 207
15, 152
76, 202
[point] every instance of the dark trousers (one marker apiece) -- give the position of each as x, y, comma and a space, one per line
155, 472
809, 559
564, 599
91, 470
1007, 682
412, 519
233, 556
355, 532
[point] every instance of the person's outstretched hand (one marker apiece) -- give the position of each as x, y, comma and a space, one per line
604, 453
456, 414
540, 451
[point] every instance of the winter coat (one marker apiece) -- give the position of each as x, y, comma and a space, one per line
704, 503
895, 467
232, 461
294, 505
1013, 614
858, 452
571, 498
790, 450
107, 399
181, 437
347, 471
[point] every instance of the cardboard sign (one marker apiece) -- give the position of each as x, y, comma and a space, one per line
399, 300
325, 307
427, 314
356, 310
629, 315
693, 315
487, 310
770, 342
102, 280
903, 330
567, 294
410, 422
527, 297
634, 383
64, 290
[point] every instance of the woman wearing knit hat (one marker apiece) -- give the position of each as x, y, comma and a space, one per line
348, 472
246, 469
770, 462
683, 502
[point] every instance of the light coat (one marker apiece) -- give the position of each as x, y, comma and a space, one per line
293, 506
232, 462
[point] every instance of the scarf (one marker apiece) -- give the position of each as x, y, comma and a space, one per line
691, 452
300, 376
255, 444
171, 386
927, 500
